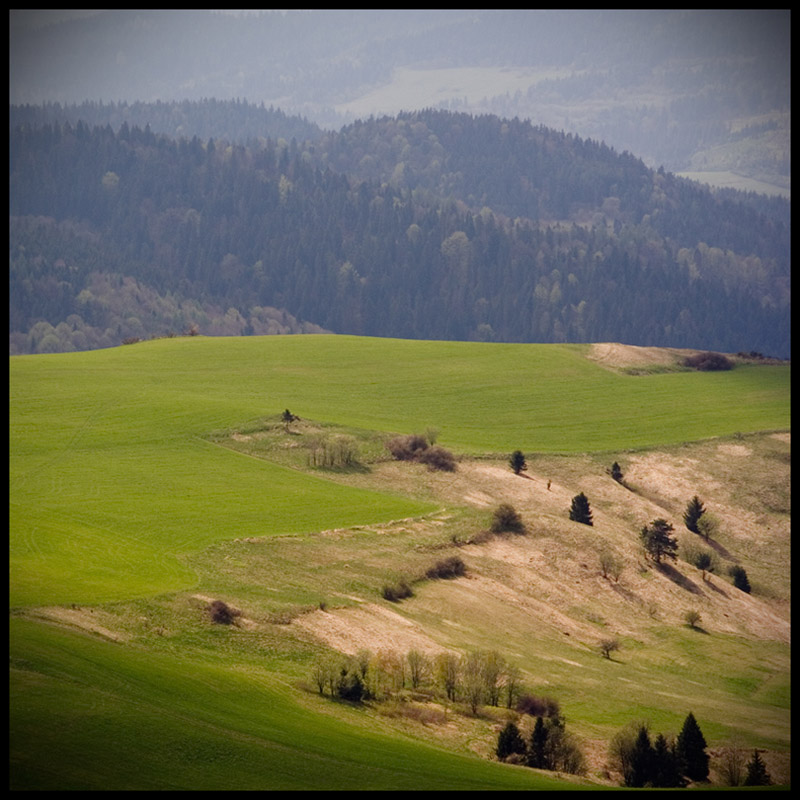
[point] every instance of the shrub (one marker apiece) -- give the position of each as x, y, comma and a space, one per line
397, 592
538, 706
418, 448
221, 613
505, 518
452, 567
407, 448
437, 458
708, 362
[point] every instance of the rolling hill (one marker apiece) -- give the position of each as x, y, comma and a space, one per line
148, 480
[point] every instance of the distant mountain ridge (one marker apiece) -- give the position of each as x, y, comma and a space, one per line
429, 224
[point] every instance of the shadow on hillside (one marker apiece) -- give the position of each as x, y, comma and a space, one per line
720, 549
677, 577
624, 592
698, 629
716, 588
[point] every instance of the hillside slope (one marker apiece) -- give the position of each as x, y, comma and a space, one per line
133, 514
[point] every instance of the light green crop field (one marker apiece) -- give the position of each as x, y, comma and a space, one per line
120, 499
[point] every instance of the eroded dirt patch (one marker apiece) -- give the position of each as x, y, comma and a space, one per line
626, 356
369, 627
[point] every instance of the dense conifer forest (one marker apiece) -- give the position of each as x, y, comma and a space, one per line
431, 224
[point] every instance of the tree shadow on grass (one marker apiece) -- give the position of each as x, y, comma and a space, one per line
716, 588
677, 577
698, 629
719, 549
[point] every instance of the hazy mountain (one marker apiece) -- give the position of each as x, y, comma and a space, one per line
691, 90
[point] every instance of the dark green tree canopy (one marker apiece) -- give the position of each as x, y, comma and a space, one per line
658, 540
740, 580
517, 462
691, 750
510, 741
757, 774
580, 510
694, 510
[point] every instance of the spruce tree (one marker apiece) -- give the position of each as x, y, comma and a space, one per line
642, 760
757, 774
538, 748
509, 741
740, 580
580, 510
517, 462
691, 750
666, 773
693, 512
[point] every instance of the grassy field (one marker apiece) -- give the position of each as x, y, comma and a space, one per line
140, 489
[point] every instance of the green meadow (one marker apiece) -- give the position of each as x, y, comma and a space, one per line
122, 503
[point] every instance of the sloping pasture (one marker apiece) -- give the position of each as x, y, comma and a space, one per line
117, 496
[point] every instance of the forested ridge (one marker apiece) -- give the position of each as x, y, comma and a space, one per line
431, 224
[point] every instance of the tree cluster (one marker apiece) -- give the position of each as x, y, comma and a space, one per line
474, 679
550, 746
663, 762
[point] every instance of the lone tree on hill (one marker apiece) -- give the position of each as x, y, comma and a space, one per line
608, 646
580, 511
691, 750
658, 541
757, 774
616, 472
517, 462
692, 618
740, 580
693, 512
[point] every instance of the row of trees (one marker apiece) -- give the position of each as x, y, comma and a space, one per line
474, 679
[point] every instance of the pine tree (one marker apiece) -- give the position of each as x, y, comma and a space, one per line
658, 541
580, 510
693, 512
517, 462
757, 774
616, 472
642, 760
538, 748
691, 750
740, 580
509, 741
666, 773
